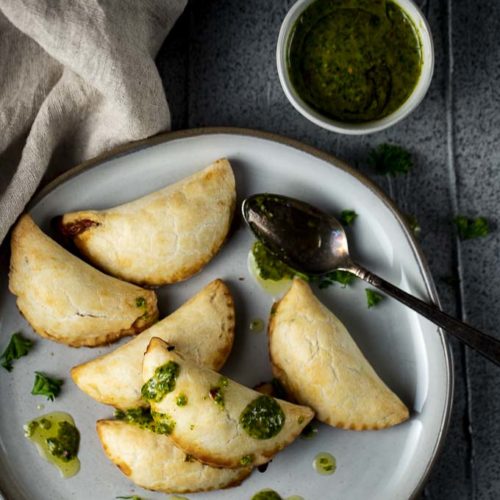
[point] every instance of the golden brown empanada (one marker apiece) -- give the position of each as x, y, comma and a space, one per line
218, 421
318, 362
66, 300
152, 461
202, 329
164, 237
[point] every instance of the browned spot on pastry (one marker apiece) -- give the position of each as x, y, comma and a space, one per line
77, 227
124, 468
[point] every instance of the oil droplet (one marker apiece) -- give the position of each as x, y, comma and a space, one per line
267, 494
40, 407
274, 288
324, 463
41, 429
257, 325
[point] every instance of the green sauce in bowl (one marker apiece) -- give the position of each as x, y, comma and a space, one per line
354, 60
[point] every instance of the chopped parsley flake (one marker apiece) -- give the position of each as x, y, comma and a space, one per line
390, 159
246, 460
46, 386
471, 228
347, 217
17, 347
45, 423
345, 278
140, 302
373, 297
30, 428
181, 400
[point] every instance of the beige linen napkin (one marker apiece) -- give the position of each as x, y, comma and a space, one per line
77, 77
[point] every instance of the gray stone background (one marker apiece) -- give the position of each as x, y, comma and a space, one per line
218, 67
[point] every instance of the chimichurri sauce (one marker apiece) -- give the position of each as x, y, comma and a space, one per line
57, 440
161, 383
262, 418
354, 60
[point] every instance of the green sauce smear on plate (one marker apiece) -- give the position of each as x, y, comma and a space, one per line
57, 440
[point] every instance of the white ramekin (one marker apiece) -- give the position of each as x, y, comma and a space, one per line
311, 114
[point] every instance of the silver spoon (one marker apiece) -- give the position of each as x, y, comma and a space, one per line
314, 242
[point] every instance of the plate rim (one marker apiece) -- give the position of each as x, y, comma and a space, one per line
425, 272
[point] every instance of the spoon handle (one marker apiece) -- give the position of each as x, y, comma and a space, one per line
485, 344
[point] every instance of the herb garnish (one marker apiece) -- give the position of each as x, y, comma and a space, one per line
217, 393
373, 297
347, 217
65, 445
471, 228
17, 347
390, 159
272, 268
140, 302
181, 400
345, 278
262, 418
164, 423
246, 460
162, 382
140, 416
46, 386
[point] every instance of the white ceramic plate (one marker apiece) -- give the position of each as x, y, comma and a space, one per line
408, 352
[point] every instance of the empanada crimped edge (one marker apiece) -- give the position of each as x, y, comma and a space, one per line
203, 328
183, 225
66, 300
317, 361
153, 462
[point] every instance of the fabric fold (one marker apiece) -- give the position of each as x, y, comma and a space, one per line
78, 79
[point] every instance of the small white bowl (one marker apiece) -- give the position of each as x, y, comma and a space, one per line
407, 107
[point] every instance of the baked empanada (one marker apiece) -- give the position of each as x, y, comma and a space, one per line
164, 237
320, 365
67, 300
152, 461
218, 421
202, 329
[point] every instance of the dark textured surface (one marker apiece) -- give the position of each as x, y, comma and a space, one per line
218, 67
